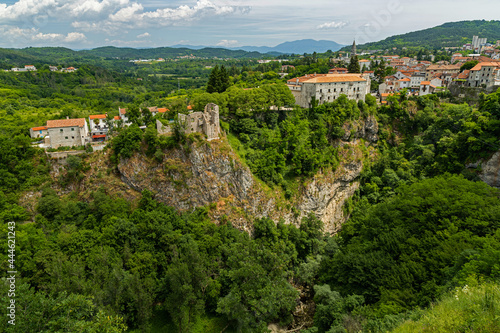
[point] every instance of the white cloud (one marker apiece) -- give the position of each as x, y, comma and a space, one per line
74, 37
144, 35
33, 36
227, 43
332, 25
110, 16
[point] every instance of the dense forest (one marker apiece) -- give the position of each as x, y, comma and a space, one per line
452, 34
423, 229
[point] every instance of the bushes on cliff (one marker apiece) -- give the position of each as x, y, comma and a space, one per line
127, 142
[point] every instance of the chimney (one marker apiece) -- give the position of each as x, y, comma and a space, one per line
297, 80
67, 117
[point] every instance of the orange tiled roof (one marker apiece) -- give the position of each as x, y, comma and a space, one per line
405, 79
425, 83
485, 64
117, 118
97, 116
39, 128
326, 78
122, 111
163, 110
80, 122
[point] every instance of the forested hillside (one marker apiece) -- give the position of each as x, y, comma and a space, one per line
93, 254
446, 35
63, 56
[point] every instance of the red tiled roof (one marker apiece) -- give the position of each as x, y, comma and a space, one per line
80, 122
39, 128
97, 116
99, 136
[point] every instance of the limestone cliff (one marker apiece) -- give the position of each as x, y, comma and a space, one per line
202, 174
490, 170
212, 174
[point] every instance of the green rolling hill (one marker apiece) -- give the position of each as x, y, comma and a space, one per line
446, 35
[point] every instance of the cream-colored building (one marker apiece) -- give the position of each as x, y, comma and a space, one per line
328, 87
432, 70
67, 132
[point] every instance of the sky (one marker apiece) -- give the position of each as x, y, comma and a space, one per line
82, 24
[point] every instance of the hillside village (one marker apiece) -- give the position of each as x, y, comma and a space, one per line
416, 78
77, 132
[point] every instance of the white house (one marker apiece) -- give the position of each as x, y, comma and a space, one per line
365, 63
38, 132
416, 79
402, 84
98, 127
123, 116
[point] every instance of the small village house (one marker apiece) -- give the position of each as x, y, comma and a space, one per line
67, 132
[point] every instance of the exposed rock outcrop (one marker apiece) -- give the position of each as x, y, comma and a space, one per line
490, 170
361, 129
326, 194
209, 173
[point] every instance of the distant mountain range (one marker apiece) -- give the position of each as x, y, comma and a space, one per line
446, 35
296, 47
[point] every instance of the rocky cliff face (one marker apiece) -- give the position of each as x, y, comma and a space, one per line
490, 173
361, 129
204, 174
326, 194
211, 173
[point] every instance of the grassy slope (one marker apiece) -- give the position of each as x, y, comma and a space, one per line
467, 309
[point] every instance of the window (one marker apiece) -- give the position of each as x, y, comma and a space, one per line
72, 129
72, 137
66, 137
61, 130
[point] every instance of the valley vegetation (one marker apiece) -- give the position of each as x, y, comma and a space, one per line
422, 226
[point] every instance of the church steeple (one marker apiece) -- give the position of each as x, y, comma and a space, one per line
353, 51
